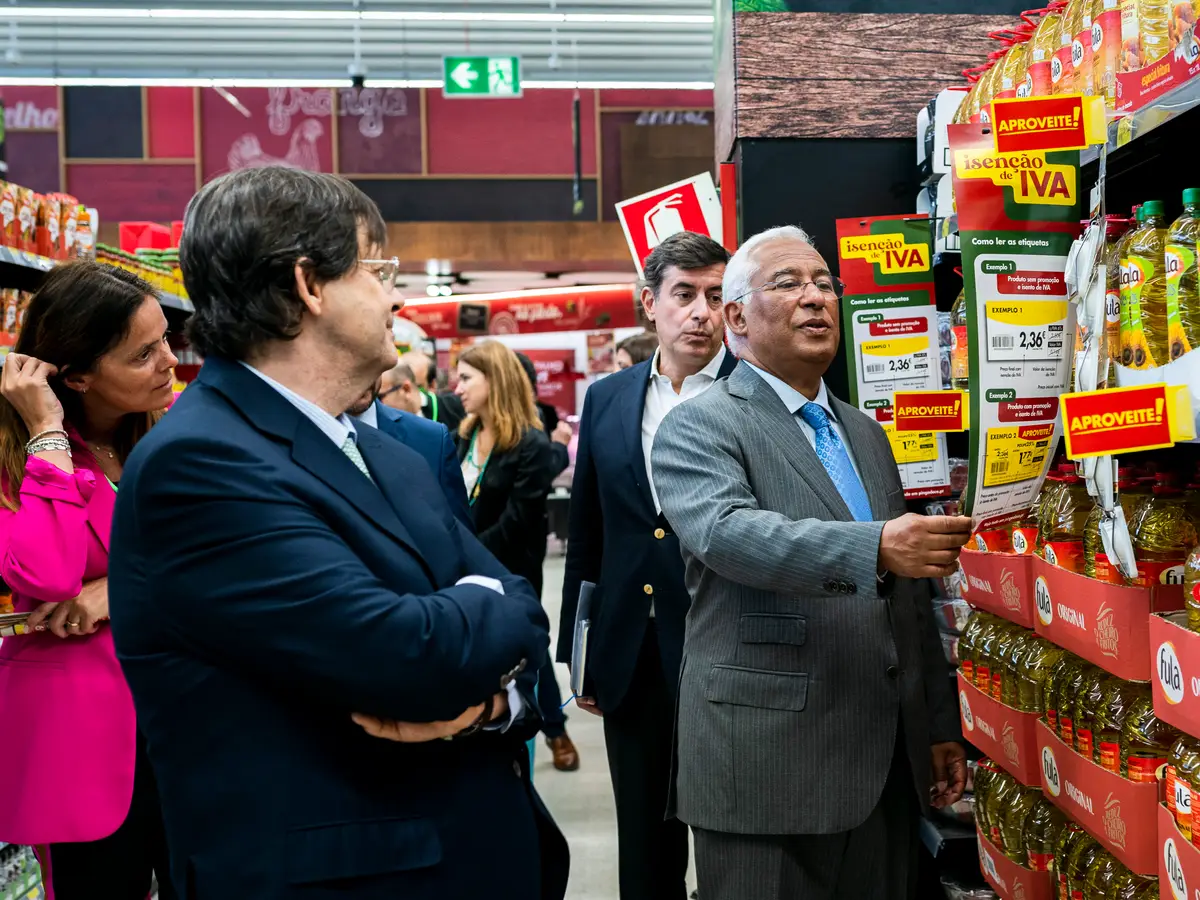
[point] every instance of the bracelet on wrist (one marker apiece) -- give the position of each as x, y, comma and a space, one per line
47, 433
47, 445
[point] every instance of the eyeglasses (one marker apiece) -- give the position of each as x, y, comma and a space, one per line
831, 288
387, 271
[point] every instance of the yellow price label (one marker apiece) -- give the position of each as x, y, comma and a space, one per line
912, 446
1124, 131
1015, 454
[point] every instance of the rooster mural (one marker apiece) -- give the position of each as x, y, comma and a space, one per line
247, 152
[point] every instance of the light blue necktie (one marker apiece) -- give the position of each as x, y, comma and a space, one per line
350, 448
837, 463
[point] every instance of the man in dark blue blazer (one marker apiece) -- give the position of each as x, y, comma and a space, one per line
619, 540
428, 438
333, 677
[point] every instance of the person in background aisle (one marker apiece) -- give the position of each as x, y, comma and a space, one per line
444, 407
430, 439
398, 390
619, 541
91, 372
507, 466
636, 349
560, 433
299, 615
814, 704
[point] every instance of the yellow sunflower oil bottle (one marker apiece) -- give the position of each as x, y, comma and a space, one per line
1191, 589
1187, 770
1062, 535
1087, 705
1145, 742
1079, 21
1069, 838
1002, 790
1043, 828
1126, 308
1039, 660
985, 651
1098, 879
1153, 21
1068, 690
985, 772
1119, 696
968, 644
1012, 822
1115, 229
1013, 69
1056, 679
1009, 687
1132, 492
1163, 534
1183, 289
1144, 344
1131, 36
1040, 78
1106, 48
1025, 532
1078, 861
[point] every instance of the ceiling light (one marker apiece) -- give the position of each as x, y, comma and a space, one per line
333, 15
432, 290
432, 83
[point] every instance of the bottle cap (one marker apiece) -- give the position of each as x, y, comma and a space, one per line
1191, 197
1152, 208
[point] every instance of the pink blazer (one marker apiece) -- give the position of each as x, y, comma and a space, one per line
67, 758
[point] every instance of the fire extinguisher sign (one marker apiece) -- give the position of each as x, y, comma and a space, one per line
689, 205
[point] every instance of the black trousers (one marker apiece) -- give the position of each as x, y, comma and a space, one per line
652, 851
118, 867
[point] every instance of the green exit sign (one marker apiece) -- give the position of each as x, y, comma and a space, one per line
481, 76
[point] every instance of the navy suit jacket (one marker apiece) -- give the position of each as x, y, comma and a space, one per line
263, 590
617, 541
433, 441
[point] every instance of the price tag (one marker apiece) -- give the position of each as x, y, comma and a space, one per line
892, 358
1124, 131
912, 446
1023, 330
1015, 454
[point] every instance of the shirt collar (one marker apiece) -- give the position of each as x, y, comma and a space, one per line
710, 371
370, 416
791, 397
336, 428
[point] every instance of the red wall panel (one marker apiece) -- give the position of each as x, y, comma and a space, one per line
379, 131
529, 135
292, 125
133, 191
656, 99
170, 120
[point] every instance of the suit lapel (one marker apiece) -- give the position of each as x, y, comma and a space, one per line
103, 500
633, 407
781, 427
861, 441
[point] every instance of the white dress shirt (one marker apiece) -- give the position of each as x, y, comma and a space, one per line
661, 399
794, 400
337, 429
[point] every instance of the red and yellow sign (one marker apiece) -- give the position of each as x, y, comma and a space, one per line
930, 411
1125, 420
1066, 122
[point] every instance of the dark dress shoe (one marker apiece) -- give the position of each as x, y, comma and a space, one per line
566, 757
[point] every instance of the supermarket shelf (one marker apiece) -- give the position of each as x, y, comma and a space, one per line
25, 271
1177, 107
174, 302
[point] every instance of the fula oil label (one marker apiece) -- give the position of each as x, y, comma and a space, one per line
1170, 673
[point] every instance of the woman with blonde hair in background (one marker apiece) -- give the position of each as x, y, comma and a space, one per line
90, 374
508, 468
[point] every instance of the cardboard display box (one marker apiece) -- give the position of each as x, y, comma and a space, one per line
1175, 658
1010, 881
1178, 861
1000, 583
1006, 735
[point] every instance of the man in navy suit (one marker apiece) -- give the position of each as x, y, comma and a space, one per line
300, 617
428, 438
619, 540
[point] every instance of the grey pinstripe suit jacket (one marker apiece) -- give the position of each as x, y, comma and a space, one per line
796, 670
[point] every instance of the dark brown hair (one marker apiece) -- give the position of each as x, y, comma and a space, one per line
685, 250
640, 347
510, 395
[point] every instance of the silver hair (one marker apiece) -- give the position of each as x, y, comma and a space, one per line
741, 273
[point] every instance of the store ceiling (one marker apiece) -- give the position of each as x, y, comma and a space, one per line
621, 41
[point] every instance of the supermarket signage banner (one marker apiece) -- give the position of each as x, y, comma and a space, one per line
890, 325
1018, 213
1126, 420
1066, 122
514, 314
930, 411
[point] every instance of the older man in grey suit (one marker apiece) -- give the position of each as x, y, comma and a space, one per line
816, 718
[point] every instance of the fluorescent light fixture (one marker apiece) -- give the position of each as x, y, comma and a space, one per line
234, 83
77, 14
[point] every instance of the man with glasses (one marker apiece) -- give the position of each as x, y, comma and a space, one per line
398, 389
815, 707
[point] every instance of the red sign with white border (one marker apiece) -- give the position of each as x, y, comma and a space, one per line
1120, 814
1176, 664
930, 410
1106, 624
1042, 123
688, 205
1001, 583
1008, 880
1122, 420
1004, 734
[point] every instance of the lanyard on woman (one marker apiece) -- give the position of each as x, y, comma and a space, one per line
433, 402
479, 479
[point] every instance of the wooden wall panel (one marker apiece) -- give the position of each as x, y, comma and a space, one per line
538, 246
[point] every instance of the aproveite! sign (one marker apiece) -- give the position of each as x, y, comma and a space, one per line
930, 411
1126, 420
1066, 122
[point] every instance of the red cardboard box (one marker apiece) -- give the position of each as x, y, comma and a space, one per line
151, 235
1007, 735
1010, 881
1001, 583
1119, 813
1179, 861
1106, 624
1175, 658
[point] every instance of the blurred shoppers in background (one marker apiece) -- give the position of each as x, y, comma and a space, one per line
430, 439
300, 617
620, 541
507, 465
91, 372
443, 406
636, 349
560, 433
398, 390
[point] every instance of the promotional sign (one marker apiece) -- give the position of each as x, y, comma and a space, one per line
601, 353
688, 205
1018, 214
930, 411
556, 377
481, 76
1065, 122
1125, 420
889, 325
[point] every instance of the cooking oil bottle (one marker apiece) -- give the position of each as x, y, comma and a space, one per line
1087, 705
1062, 69
1068, 839
1043, 827
1002, 790
1126, 307
1068, 690
985, 651
1106, 48
1099, 876
1039, 660
1163, 534
1025, 532
1078, 861
1171, 770
1013, 69
1132, 493
960, 361
987, 90
1191, 589
985, 772
1187, 771
1131, 36
1144, 327
1045, 42
1119, 696
1152, 20
1056, 679
1183, 289
1115, 229
1079, 24
1012, 822
1009, 685
968, 643
1145, 740
1062, 535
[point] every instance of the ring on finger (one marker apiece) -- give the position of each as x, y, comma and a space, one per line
72, 624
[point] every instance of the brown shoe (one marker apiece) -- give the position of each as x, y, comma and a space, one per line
566, 757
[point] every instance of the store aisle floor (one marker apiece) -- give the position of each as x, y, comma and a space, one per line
581, 801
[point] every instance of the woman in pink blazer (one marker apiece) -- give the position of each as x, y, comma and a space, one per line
90, 373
